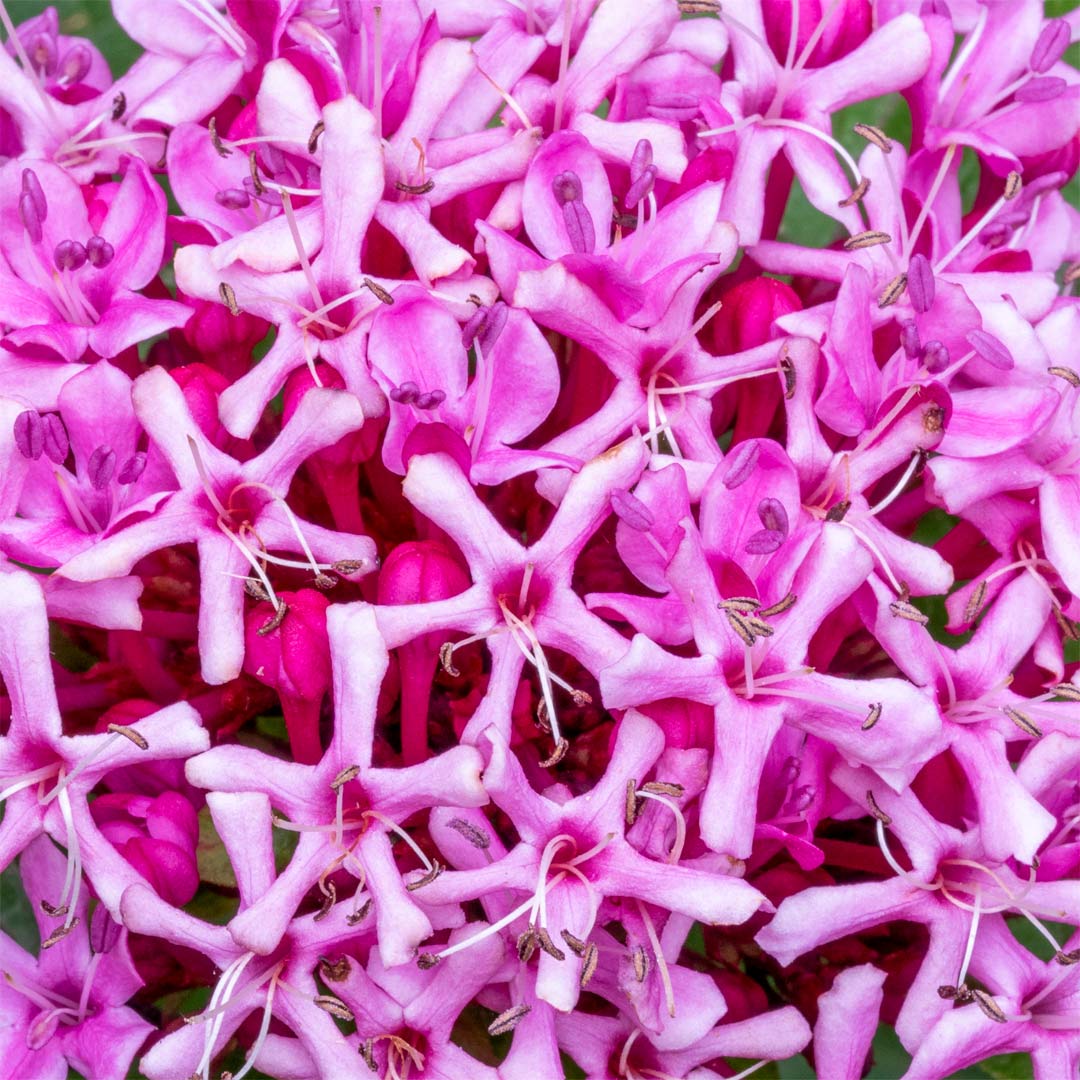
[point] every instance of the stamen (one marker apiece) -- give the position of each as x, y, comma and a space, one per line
640, 960
680, 822
505, 1022
873, 716
874, 135
661, 962
989, 1006
870, 238
1066, 373
894, 290
1022, 721
972, 931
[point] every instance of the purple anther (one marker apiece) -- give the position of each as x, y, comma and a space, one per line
494, 321
580, 230
472, 327
1050, 46
802, 798
268, 196
935, 7
406, 393
990, 349
566, 187
1044, 89
920, 283
995, 234
29, 434
31, 186
132, 469
55, 438
642, 158
30, 218
42, 53
936, 356
101, 466
740, 463
909, 339
69, 255
790, 771
76, 65
632, 511
431, 400
773, 516
641, 187
233, 198
764, 542
99, 252
273, 160
1047, 182
104, 930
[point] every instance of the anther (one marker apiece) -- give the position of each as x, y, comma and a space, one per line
313, 138
574, 943
870, 238
343, 777
745, 605
936, 356
556, 755
129, 733
436, 869
30, 218
345, 567
56, 911
838, 511
1067, 691
1013, 184
630, 509
101, 466
526, 945
1022, 721
989, 1006
921, 284
641, 187
446, 654
1065, 624
253, 169
975, 602
233, 198
354, 918
119, 106
335, 1007
75, 65
335, 970
505, 1022
29, 432
787, 369
1066, 373
1050, 46
69, 255
902, 609
874, 135
893, 291
780, 607
872, 717
580, 230
640, 959
31, 187
1067, 959
633, 805
426, 961
990, 349
876, 810
663, 787
699, 7
857, 192
60, 933
415, 189
275, 620
367, 1052
910, 341
1072, 273
328, 901
1044, 89
589, 963
477, 837
741, 627
378, 291
255, 589
99, 252
543, 939
215, 138
325, 582
431, 400
740, 463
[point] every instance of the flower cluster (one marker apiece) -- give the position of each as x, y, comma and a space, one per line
484, 594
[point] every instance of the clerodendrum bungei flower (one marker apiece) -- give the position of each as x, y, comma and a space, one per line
538, 539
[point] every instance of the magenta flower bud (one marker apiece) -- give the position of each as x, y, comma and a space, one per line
31, 186
419, 572
29, 434
101, 466
920, 283
641, 187
69, 255
406, 393
990, 349
740, 463
567, 187
936, 356
31, 219
99, 252
75, 65
1044, 89
909, 338
132, 469
55, 438
642, 158
632, 511
42, 53
1050, 46
233, 198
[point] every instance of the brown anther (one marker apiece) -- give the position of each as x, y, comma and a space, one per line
872, 717
475, 300
933, 418
780, 606
1072, 273
741, 627
901, 609
526, 945
947, 993
975, 602
581, 698
119, 106
876, 810
367, 1053
380, 293
640, 959
1067, 959
857, 192
633, 804
556, 755
325, 582
313, 138
215, 139
347, 566
228, 298
130, 734
55, 912
963, 994
893, 291
699, 7
541, 718
446, 654
759, 626
505, 1022
870, 238
436, 869
334, 970
1013, 184
426, 960
255, 589
59, 934
1067, 691
989, 1006
354, 918
335, 1007
415, 189
589, 963
573, 943
477, 837
1022, 721
745, 605
662, 787
838, 511
787, 369
1065, 624
343, 777
256, 179
1066, 373
329, 890
874, 135
543, 939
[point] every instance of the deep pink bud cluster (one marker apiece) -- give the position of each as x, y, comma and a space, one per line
487, 594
